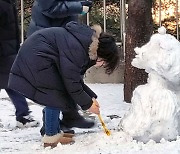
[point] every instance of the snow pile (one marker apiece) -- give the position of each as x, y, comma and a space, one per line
87, 141
155, 108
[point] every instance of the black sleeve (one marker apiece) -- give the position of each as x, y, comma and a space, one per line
88, 90
72, 81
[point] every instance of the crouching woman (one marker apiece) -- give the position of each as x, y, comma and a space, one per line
49, 68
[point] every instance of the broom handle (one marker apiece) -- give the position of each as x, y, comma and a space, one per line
102, 122
107, 131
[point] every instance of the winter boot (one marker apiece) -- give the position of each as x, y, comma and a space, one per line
66, 130
74, 119
52, 141
26, 121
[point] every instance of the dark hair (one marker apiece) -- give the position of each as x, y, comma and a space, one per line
108, 51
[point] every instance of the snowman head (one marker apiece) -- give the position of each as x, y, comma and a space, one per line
161, 54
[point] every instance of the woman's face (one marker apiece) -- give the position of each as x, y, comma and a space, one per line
99, 62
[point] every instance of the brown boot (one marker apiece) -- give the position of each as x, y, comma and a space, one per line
52, 141
69, 135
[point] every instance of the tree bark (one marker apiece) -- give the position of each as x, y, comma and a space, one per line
138, 31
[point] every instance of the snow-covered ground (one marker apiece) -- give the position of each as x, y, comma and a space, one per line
90, 141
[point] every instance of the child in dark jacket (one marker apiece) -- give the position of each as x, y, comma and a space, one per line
49, 69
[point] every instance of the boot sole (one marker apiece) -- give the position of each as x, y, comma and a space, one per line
69, 135
27, 125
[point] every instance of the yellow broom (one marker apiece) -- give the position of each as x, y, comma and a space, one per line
107, 131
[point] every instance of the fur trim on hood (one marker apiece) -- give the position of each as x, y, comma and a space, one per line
95, 41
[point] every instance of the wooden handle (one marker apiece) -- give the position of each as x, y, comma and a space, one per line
100, 118
104, 126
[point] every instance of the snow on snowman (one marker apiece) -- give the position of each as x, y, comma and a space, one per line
155, 110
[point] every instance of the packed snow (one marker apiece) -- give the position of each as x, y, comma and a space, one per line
87, 141
155, 111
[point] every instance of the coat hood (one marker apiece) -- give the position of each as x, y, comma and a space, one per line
87, 36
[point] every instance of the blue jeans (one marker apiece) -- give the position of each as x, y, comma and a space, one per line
52, 123
19, 102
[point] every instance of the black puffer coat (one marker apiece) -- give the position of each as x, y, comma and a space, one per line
9, 39
50, 65
53, 13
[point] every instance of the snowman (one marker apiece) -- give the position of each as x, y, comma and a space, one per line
155, 110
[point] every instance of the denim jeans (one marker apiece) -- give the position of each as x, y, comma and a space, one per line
19, 102
52, 123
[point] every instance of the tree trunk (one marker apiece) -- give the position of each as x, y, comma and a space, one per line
138, 31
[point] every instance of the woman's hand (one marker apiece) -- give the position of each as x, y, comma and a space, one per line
94, 107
